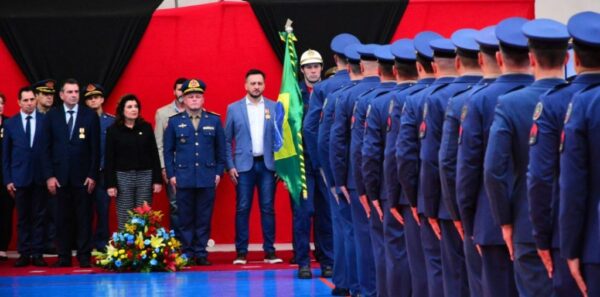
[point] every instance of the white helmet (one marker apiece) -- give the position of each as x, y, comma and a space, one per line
310, 57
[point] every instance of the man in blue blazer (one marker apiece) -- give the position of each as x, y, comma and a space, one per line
70, 168
21, 165
250, 163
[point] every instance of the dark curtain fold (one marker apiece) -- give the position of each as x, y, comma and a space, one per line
316, 22
91, 41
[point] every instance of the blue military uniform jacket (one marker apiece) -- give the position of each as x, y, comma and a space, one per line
579, 176
105, 121
339, 141
326, 120
22, 163
544, 159
470, 192
358, 128
390, 165
449, 146
71, 160
431, 135
310, 125
194, 157
378, 127
507, 156
408, 143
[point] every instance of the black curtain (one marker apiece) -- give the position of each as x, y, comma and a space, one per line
89, 40
316, 22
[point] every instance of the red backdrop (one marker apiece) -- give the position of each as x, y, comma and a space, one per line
218, 43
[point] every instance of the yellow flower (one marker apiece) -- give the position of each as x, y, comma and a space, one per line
110, 249
130, 228
122, 251
156, 241
115, 254
139, 240
153, 255
174, 243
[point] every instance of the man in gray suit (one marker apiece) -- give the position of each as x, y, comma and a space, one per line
161, 119
249, 151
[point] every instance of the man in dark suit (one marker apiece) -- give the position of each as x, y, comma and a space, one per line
21, 166
71, 142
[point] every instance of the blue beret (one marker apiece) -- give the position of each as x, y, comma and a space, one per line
487, 37
351, 53
45, 86
464, 39
367, 51
404, 49
509, 32
584, 27
546, 30
92, 90
383, 54
422, 43
443, 48
193, 86
341, 41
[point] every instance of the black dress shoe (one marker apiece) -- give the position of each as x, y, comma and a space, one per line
38, 261
327, 271
340, 292
304, 272
23, 261
62, 262
202, 261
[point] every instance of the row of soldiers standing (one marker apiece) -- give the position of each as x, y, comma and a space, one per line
455, 164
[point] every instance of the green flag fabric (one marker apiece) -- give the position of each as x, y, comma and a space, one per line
289, 153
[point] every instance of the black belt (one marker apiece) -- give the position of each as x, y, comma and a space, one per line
259, 158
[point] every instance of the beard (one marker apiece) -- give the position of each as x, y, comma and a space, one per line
255, 95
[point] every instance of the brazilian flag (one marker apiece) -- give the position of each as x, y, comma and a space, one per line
289, 157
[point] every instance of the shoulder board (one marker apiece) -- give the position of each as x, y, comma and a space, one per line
592, 86
462, 91
514, 89
177, 114
557, 88
437, 88
211, 112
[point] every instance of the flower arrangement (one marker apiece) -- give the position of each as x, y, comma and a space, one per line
142, 245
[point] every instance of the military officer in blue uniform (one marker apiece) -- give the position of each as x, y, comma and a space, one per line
194, 154
544, 169
468, 53
396, 274
507, 154
474, 206
578, 221
344, 264
408, 146
451, 248
400, 210
94, 99
387, 82
342, 167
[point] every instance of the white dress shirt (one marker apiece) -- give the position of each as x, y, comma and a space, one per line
31, 125
256, 119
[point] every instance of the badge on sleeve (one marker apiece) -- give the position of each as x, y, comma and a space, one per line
423, 126
353, 119
562, 133
323, 110
389, 117
538, 111
463, 115
367, 116
534, 127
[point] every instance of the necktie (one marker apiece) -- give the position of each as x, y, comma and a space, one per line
70, 123
196, 121
28, 129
